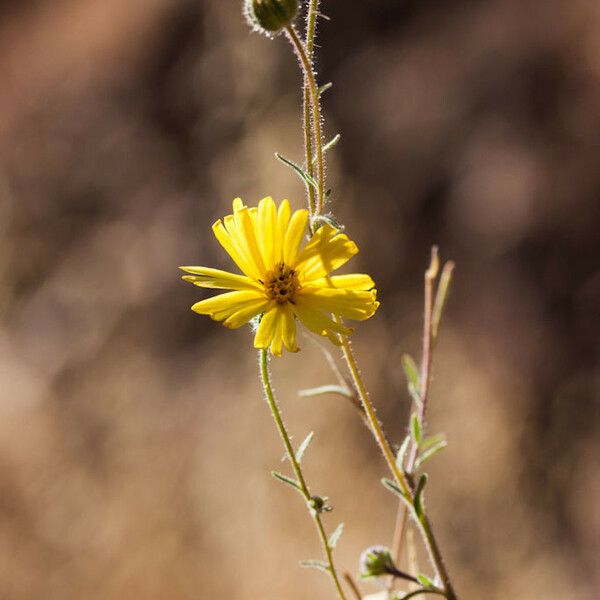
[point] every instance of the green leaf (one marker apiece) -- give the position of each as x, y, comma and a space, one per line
336, 535
424, 580
432, 451
327, 219
288, 481
415, 428
324, 88
418, 500
308, 180
392, 487
441, 297
325, 389
414, 394
315, 564
303, 446
412, 373
432, 440
402, 453
328, 146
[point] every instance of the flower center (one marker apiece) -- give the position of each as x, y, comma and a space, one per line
281, 283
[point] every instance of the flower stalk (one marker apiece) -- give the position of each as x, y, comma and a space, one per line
311, 25
310, 86
303, 487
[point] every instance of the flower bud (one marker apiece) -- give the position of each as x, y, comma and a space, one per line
376, 561
270, 16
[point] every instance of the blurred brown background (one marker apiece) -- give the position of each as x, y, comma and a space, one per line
135, 447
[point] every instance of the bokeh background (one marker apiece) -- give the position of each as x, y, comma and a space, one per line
135, 447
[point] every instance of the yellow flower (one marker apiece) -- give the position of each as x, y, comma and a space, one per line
281, 281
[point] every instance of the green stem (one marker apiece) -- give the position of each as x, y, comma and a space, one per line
311, 25
270, 396
436, 556
306, 64
376, 428
311, 22
308, 154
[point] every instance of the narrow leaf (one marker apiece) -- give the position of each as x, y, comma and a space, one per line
336, 535
328, 219
411, 371
402, 453
315, 564
431, 452
392, 487
441, 297
434, 265
419, 592
328, 146
308, 180
432, 440
288, 481
415, 394
424, 580
325, 389
325, 87
415, 428
303, 446
418, 500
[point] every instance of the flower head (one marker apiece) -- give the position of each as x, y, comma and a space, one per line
281, 280
376, 561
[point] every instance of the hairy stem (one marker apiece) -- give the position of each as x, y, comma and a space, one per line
429, 335
311, 84
311, 23
376, 428
425, 378
272, 402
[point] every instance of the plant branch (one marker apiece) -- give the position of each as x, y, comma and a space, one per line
432, 316
311, 23
311, 84
272, 402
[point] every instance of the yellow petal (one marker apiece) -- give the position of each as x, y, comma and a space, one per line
283, 219
350, 304
293, 236
266, 329
231, 246
327, 250
225, 306
288, 329
246, 237
354, 281
267, 225
316, 320
237, 204
277, 341
244, 315
215, 278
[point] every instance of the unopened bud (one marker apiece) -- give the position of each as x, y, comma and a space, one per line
376, 561
270, 16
